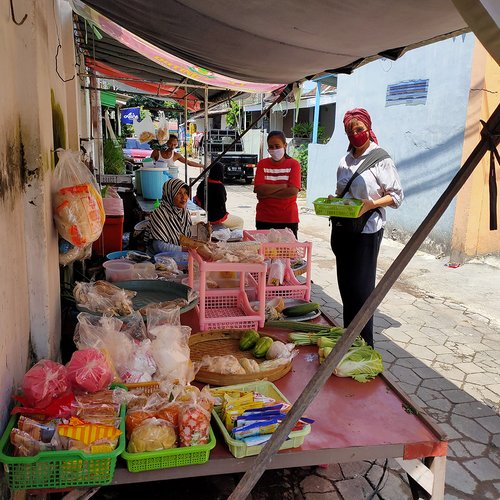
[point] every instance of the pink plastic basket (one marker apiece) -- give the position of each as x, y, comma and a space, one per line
291, 288
289, 250
228, 307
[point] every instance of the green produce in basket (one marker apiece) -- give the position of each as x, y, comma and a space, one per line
301, 309
262, 346
248, 340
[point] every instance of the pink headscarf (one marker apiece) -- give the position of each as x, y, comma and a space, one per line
363, 116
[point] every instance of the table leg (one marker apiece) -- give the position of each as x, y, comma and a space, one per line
438, 468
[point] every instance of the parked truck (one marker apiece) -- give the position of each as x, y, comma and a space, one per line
238, 165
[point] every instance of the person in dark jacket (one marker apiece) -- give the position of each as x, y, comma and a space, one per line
217, 196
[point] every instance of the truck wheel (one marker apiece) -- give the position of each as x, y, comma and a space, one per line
248, 180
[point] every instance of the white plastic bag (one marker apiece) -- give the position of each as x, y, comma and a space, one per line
77, 203
276, 272
162, 131
145, 130
170, 346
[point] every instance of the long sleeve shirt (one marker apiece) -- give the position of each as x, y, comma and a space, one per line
378, 181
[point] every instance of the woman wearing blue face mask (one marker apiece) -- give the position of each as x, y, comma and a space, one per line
277, 183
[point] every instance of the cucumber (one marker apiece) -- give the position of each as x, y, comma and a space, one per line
301, 309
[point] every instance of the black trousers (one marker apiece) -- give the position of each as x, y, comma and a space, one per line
294, 226
356, 255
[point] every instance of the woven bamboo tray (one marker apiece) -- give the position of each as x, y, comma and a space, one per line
224, 342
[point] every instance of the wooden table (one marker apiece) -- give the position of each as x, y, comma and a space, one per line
353, 421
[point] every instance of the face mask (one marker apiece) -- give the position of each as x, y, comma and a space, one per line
359, 139
277, 154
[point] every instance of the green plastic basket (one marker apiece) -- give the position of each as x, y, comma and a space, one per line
331, 208
58, 469
239, 448
174, 457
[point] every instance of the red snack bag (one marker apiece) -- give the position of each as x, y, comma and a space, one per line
44, 382
88, 370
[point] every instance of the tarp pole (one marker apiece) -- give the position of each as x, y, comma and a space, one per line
237, 138
205, 150
185, 138
316, 113
261, 462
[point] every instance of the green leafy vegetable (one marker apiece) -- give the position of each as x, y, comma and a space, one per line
361, 363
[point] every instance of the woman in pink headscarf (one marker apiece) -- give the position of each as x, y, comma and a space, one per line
378, 186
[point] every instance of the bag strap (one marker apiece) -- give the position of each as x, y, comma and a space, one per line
374, 157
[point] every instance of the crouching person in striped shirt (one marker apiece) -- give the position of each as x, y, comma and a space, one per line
277, 182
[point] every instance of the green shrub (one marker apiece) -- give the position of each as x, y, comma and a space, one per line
300, 154
114, 162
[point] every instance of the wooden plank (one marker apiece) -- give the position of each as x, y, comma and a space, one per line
251, 477
428, 420
438, 468
81, 493
284, 460
419, 472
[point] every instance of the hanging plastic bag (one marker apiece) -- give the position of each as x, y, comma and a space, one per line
162, 131
77, 203
145, 130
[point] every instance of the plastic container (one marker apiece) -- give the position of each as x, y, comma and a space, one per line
145, 270
119, 270
152, 180
111, 236
174, 172
59, 469
123, 254
164, 459
181, 258
239, 448
336, 207
137, 181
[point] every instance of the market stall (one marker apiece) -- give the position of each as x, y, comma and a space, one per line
353, 421
342, 424
410, 435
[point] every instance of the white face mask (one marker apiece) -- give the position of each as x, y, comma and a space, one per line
276, 154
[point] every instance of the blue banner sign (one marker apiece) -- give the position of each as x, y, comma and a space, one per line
128, 115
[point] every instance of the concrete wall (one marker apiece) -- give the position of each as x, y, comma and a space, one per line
471, 235
36, 108
425, 140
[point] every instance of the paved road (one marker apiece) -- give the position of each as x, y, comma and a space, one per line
438, 331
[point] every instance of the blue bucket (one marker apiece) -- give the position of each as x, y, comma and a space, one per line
122, 254
152, 180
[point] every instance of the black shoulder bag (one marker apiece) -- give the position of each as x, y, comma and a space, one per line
356, 225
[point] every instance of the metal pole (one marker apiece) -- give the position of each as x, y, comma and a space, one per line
185, 139
166, 84
259, 464
205, 149
238, 137
316, 113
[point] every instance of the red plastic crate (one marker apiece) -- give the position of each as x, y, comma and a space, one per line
111, 236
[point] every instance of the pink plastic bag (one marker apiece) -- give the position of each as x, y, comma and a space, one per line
44, 382
89, 370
